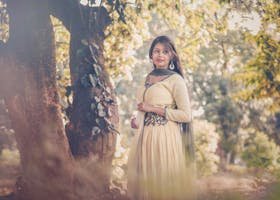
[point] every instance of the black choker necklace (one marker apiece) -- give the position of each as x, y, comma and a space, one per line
161, 72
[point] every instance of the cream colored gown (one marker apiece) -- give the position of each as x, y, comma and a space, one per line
156, 166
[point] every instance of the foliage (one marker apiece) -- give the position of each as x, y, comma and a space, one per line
213, 95
212, 84
260, 75
256, 116
4, 20
62, 38
261, 152
206, 142
7, 140
9, 157
200, 20
7, 137
123, 37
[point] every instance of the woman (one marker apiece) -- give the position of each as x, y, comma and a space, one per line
157, 167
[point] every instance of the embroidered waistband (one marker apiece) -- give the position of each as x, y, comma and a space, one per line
154, 119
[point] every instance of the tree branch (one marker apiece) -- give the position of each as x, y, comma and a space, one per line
67, 11
77, 18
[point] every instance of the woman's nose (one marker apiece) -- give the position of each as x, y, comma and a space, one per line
160, 53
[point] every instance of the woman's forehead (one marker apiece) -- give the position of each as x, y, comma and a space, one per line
162, 46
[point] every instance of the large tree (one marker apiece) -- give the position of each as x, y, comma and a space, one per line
28, 83
29, 87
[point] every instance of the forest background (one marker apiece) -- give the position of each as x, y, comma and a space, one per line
94, 56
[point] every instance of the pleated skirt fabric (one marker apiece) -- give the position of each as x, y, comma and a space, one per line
157, 168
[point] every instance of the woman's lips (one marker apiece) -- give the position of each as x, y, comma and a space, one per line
160, 60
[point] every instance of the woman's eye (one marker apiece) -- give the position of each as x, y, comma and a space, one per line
156, 51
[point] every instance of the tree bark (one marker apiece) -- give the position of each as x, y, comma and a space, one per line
85, 115
86, 26
32, 101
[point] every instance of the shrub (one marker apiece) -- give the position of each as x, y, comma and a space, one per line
261, 152
206, 143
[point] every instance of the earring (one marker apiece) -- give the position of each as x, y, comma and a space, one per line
171, 65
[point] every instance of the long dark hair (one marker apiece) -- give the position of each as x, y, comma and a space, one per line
168, 43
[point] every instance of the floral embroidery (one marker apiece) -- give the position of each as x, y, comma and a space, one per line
154, 119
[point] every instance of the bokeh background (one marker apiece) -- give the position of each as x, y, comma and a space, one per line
230, 54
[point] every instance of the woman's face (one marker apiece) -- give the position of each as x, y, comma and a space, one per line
161, 56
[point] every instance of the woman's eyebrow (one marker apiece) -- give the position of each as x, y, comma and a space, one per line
164, 49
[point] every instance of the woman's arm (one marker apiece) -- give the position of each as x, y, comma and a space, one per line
150, 108
181, 97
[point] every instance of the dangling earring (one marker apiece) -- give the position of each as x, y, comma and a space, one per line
171, 65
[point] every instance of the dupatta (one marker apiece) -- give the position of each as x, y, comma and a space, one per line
186, 127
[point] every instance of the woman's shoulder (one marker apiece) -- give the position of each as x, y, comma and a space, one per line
176, 81
176, 78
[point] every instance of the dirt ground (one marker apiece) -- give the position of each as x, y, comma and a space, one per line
222, 186
8, 176
226, 186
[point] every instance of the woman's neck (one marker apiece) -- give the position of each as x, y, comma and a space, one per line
161, 72
165, 67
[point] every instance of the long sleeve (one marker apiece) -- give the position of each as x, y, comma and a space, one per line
181, 96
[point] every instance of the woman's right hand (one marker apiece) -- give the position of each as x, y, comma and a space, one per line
133, 123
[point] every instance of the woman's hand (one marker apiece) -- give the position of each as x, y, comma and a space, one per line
133, 123
145, 107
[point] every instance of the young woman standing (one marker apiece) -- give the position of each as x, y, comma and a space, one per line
157, 167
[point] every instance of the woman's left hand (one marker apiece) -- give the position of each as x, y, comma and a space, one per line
145, 107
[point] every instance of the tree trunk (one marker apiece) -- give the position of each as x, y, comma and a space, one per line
93, 114
32, 100
222, 155
232, 157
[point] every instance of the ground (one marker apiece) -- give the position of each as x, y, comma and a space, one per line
221, 186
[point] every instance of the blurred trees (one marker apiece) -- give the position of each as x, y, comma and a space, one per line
214, 53
261, 74
259, 77
206, 143
4, 21
261, 152
213, 87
